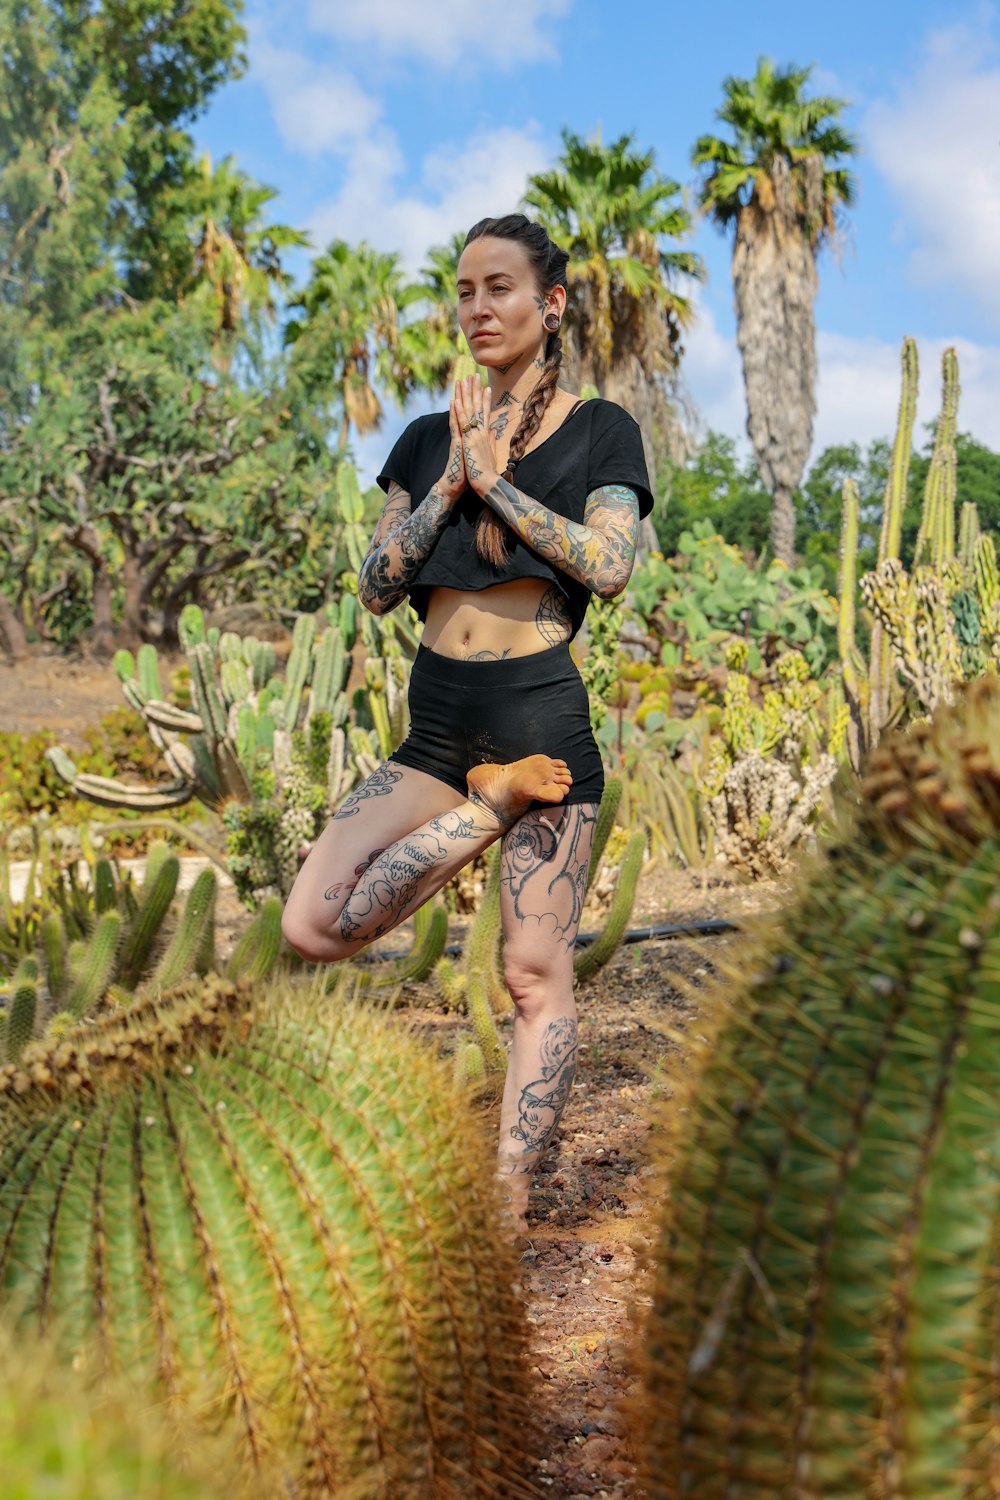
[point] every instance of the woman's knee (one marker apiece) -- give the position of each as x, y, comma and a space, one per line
536, 979
310, 942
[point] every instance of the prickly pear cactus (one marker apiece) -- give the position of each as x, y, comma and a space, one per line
825, 1303
278, 1203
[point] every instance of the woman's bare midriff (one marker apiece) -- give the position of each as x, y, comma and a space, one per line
502, 621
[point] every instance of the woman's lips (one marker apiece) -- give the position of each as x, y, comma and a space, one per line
477, 336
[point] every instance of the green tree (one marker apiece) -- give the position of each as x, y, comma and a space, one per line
712, 485
622, 224
977, 478
780, 186
819, 505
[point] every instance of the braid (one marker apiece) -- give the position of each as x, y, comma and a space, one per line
491, 533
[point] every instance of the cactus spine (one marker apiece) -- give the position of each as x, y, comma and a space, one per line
824, 1309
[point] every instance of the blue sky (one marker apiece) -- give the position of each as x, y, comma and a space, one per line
401, 121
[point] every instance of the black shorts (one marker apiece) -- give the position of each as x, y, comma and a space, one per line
463, 713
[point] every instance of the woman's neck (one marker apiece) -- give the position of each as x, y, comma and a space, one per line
515, 382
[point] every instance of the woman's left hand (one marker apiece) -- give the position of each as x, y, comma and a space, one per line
472, 400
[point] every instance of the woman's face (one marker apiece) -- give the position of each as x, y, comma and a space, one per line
500, 307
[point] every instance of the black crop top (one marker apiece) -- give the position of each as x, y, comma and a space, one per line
597, 444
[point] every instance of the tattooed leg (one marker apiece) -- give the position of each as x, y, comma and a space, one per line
394, 842
543, 875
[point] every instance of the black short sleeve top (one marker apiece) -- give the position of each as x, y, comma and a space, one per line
597, 444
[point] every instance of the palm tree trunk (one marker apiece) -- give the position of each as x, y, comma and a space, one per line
775, 283
12, 635
783, 526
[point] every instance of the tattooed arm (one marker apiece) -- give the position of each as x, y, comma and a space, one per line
598, 553
400, 546
403, 539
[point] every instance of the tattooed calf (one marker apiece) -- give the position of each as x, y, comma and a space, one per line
542, 1101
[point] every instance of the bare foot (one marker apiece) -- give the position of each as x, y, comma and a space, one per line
507, 790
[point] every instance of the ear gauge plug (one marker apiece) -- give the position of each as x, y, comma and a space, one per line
552, 322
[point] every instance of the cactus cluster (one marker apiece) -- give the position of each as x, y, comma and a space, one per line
933, 625
274, 754
102, 941
825, 1301
281, 1209
768, 769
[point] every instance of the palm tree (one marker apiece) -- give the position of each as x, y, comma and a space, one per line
780, 187
236, 266
448, 355
621, 222
353, 341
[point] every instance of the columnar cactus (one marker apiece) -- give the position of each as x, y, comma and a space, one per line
279, 1205
932, 627
824, 1303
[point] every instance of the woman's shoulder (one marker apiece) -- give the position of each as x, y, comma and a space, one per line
604, 414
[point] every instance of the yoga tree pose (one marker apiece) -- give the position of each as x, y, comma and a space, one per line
500, 744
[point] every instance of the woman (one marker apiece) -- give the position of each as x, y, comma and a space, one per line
500, 744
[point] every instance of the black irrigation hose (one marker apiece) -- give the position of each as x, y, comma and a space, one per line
634, 935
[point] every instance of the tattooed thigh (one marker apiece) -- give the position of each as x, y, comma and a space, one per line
543, 870
379, 784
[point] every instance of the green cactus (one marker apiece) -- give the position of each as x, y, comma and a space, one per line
99, 967
80, 1434
256, 954
596, 954
187, 944
302, 1223
823, 1318
54, 950
105, 889
20, 1019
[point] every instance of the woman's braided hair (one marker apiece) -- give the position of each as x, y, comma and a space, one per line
548, 262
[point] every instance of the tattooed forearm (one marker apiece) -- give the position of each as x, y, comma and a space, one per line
542, 1101
401, 545
599, 553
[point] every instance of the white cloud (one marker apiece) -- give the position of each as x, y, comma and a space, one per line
457, 185
938, 146
443, 32
857, 389
316, 108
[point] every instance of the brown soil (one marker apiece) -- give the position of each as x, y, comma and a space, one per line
593, 1210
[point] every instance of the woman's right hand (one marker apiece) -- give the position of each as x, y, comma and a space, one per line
454, 479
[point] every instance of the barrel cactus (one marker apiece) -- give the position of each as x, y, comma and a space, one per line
279, 1204
825, 1303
